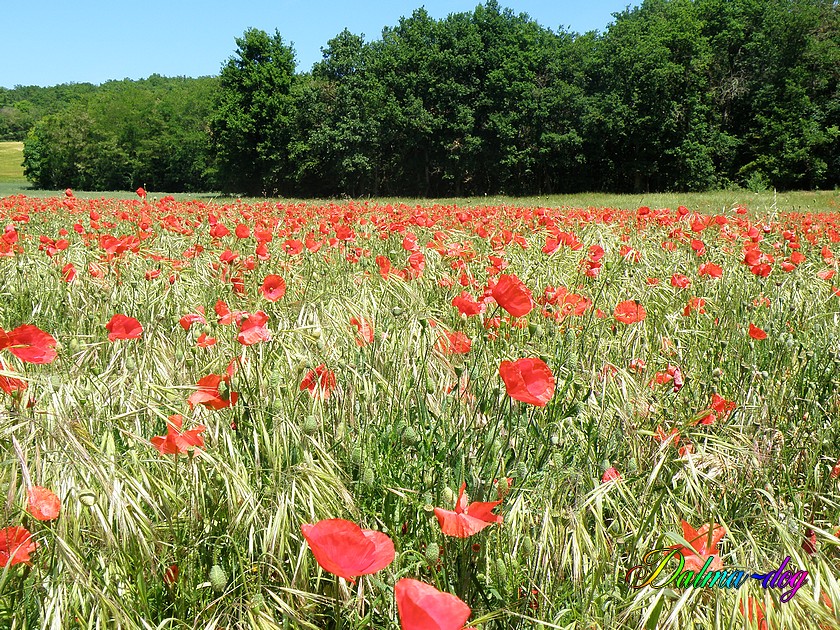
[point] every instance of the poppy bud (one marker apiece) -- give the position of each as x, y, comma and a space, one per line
410, 437
432, 553
503, 487
87, 498
448, 496
501, 569
74, 346
527, 546
396, 311
356, 455
430, 385
310, 425
368, 478
218, 578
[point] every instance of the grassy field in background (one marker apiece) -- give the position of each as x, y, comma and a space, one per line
11, 164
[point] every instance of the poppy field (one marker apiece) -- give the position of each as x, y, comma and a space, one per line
386, 415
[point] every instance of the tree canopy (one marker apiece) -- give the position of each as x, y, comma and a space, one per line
672, 95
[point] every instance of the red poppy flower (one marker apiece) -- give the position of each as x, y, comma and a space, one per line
320, 382
242, 231
754, 612
204, 341
177, 441
226, 316
694, 304
384, 264
273, 288
44, 505
467, 520
208, 393
809, 543
453, 343
10, 384
757, 333
253, 330
528, 380
29, 343
680, 281
512, 295
835, 472
611, 474
629, 312
364, 330
346, 550
170, 576
703, 546
15, 546
468, 305
423, 607
711, 269
123, 327
193, 318
68, 272
141, 192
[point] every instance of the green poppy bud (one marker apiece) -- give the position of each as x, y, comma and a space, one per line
432, 553
527, 546
218, 578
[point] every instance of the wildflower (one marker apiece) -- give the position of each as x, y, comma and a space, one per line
44, 505
15, 546
512, 295
209, 395
467, 520
345, 549
704, 544
273, 288
252, 330
123, 327
611, 474
453, 343
364, 330
423, 607
528, 380
757, 333
29, 343
629, 312
320, 382
177, 441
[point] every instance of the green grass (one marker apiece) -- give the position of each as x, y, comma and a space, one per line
396, 440
11, 164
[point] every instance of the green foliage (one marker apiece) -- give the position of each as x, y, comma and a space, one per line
130, 133
251, 126
674, 95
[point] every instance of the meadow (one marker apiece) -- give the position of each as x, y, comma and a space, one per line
192, 392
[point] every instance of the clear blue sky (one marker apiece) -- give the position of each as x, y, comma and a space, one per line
47, 42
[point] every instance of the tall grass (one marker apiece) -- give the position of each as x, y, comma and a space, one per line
407, 424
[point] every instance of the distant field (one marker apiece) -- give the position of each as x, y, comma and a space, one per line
11, 162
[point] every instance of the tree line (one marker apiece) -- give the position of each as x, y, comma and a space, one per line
673, 95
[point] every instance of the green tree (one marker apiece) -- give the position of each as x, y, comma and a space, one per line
252, 127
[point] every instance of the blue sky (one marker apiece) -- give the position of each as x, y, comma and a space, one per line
52, 42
